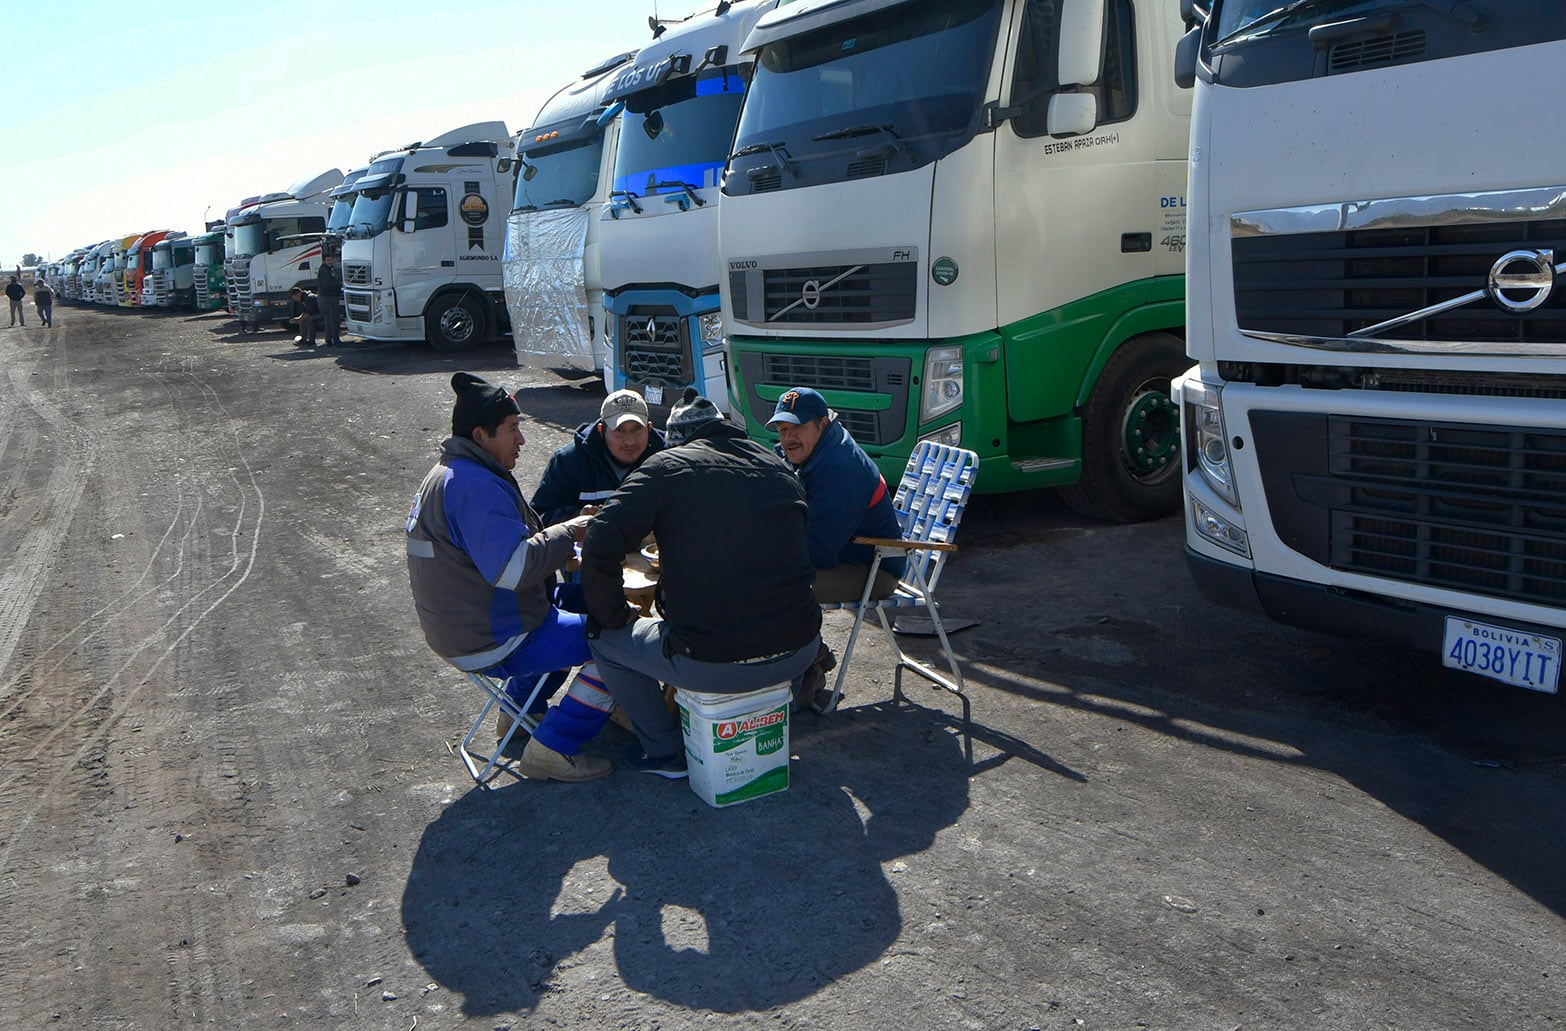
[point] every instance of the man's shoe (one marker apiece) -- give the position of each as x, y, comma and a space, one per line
540, 762
812, 683
670, 766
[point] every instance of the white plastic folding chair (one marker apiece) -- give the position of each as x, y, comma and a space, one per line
521, 719
930, 500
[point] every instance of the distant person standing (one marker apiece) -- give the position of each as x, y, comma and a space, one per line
15, 291
329, 295
43, 300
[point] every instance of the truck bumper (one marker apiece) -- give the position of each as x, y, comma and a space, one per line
1332, 610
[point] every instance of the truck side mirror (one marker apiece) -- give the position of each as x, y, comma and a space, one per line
1081, 42
1186, 51
1071, 114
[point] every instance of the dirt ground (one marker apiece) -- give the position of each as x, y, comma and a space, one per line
228, 796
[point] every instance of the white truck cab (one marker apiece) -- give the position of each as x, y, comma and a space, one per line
554, 287
659, 232
277, 246
1375, 428
422, 249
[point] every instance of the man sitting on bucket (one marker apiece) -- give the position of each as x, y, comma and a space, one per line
482, 567
734, 582
848, 498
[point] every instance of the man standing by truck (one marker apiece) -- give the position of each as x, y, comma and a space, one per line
329, 295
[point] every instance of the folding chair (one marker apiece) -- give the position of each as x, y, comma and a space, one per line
930, 500
521, 719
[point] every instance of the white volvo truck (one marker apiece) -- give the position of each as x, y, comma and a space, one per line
659, 234
1376, 424
421, 253
565, 164
277, 246
963, 221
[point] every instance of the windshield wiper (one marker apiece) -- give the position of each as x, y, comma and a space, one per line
777, 151
1272, 17
630, 199
866, 130
690, 191
561, 202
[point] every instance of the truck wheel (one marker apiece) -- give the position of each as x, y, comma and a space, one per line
454, 323
1131, 435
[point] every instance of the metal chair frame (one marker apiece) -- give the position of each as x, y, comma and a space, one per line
496, 761
930, 500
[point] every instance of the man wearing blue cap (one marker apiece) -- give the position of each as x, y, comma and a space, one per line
848, 498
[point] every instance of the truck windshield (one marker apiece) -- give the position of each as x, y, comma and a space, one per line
163, 258
249, 239
369, 215
342, 213
919, 70
207, 254
565, 177
678, 133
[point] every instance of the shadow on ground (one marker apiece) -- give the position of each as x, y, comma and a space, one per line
730, 910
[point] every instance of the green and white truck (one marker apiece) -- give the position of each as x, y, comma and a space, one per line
964, 221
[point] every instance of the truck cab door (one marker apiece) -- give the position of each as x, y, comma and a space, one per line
1081, 195
423, 248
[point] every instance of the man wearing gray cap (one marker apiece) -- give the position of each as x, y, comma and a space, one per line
734, 590
589, 469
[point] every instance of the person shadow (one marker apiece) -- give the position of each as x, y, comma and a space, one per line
730, 910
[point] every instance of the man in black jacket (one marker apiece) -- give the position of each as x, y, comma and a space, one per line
14, 292
307, 312
329, 295
735, 583
589, 469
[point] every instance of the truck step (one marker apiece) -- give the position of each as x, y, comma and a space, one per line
1040, 465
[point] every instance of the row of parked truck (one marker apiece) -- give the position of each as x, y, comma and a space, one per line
965, 221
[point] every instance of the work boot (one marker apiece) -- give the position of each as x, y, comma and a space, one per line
540, 762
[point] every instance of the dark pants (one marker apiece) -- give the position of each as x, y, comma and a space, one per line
307, 330
46, 313
331, 315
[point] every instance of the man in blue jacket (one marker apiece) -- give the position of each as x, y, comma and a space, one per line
848, 498
482, 567
591, 467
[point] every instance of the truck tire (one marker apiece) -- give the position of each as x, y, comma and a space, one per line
454, 322
1131, 435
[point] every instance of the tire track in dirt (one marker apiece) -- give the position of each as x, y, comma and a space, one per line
36, 519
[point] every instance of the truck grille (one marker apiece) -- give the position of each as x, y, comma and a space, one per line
881, 293
357, 305
239, 289
1471, 508
1328, 284
886, 378
356, 273
203, 291
654, 345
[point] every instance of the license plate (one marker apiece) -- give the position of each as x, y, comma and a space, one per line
655, 395
1513, 657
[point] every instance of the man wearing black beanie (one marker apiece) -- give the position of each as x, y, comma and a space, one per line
482, 568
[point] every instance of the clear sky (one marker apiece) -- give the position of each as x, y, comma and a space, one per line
121, 116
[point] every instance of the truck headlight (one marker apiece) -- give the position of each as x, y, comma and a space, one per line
942, 382
609, 326
1206, 437
948, 436
1213, 526
710, 328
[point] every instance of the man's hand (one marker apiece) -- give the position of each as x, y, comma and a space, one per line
578, 527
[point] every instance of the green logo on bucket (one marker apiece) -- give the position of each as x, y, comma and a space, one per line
761, 727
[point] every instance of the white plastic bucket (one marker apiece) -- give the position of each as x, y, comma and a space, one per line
736, 745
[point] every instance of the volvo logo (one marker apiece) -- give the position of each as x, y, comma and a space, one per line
1522, 280
810, 294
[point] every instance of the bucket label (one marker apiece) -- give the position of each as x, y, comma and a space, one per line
765, 729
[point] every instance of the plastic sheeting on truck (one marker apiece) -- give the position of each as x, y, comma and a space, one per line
546, 289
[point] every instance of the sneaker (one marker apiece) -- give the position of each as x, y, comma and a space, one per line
670, 766
540, 762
